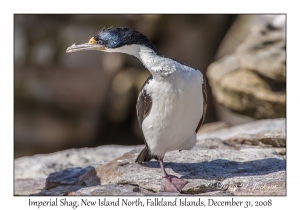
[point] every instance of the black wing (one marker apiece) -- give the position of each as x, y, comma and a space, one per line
143, 108
204, 104
144, 103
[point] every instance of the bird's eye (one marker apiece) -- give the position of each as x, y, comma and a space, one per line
101, 42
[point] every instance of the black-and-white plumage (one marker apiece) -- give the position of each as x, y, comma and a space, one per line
171, 105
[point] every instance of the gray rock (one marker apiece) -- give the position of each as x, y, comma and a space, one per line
32, 174
269, 184
259, 42
251, 128
61, 190
240, 29
230, 116
30, 186
112, 189
243, 139
214, 143
214, 126
128, 190
68, 176
215, 166
264, 53
275, 138
206, 170
258, 134
280, 150
243, 91
250, 81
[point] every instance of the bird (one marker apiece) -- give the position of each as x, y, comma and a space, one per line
171, 105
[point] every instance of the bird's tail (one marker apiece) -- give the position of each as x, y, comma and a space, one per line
144, 156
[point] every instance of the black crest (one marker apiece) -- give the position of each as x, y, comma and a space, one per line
118, 37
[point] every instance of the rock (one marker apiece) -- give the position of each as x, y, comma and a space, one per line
61, 190
49, 171
275, 138
206, 169
250, 129
229, 161
271, 184
258, 134
30, 186
268, 27
230, 116
68, 176
240, 29
264, 54
250, 82
280, 150
112, 190
42, 165
214, 143
214, 126
244, 91
228, 64
128, 190
243, 139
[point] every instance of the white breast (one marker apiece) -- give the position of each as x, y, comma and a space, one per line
177, 107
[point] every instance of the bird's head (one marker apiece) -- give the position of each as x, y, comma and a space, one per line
122, 40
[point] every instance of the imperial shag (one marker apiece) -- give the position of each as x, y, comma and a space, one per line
171, 105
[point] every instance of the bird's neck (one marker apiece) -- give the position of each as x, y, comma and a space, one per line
159, 66
151, 59
154, 62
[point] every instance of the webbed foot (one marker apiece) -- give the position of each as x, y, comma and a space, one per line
172, 183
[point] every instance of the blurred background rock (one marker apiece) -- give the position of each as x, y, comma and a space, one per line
248, 80
88, 99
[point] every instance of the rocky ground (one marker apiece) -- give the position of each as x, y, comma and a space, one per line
248, 159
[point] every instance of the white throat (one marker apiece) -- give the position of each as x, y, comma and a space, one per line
156, 64
128, 49
135, 50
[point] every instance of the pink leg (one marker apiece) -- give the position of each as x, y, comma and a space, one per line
170, 183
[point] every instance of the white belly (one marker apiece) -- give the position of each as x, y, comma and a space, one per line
177, 107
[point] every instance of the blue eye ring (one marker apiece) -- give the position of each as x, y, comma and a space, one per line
101, 42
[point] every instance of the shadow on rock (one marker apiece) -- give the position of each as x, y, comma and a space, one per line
65, 181
221, 169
